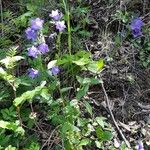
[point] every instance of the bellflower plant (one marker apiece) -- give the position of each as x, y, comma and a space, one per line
43, 48
136, 26
33, 52
55, 15
31, 34
33, 73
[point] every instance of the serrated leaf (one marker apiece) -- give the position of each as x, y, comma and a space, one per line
9, 61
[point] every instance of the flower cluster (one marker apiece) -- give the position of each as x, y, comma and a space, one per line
32, 31
41, 48
35, 51
56, 16
136, 27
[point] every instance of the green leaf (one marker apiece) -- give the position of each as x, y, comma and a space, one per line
84, 142
51, 64
28, 95
82, 61
22, 20
33, 146
69, 127
9, 61
82, 92
98, 144
31, 8
88, 107
10, 148
93, 67
90, 81
11, 126
96, 66
107, 136
68, 145
4, 75
103, 135
66, 89
100, 121
100, 64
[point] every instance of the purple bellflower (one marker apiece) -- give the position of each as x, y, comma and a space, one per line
37, 24
60, 25
33, 73
33, 52
140, 146
136, 26
31, 34
56, 15
43, 48
55, 70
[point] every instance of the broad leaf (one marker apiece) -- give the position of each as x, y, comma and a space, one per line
103, 135
81, 62
100, 121
28, 95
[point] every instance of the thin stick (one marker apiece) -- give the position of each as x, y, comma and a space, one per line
113, 118
47, 141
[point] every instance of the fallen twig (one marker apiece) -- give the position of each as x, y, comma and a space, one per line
147, 107
48, 140
113, 118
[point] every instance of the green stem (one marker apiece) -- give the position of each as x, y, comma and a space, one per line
58, 44
65, 5
68, 26
61, 95
69, 32
41, 67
